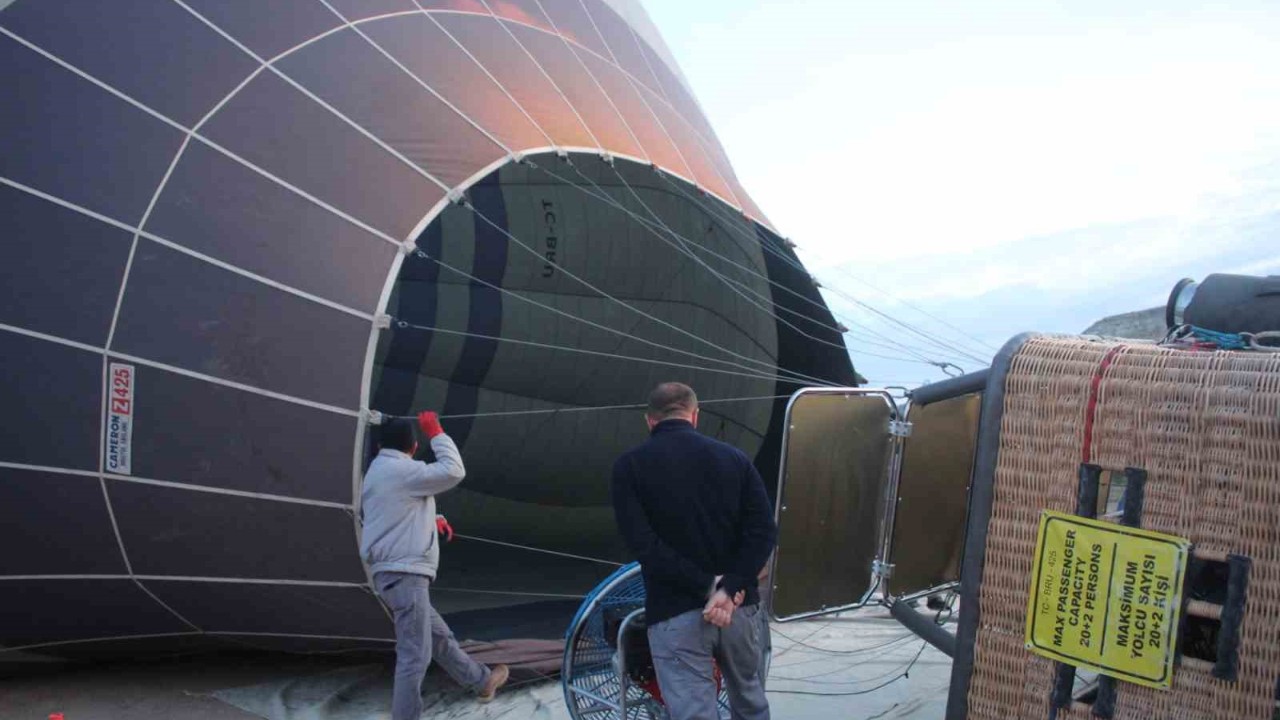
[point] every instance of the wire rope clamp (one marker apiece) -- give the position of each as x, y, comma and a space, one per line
382, 321
842, 327
457, 196
372, 417
900, 428
791, 244
882, 569
407, 247
562, 153
947, 368
606, 158
517, 157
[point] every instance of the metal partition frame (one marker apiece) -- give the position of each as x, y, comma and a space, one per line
940, 449
836, 554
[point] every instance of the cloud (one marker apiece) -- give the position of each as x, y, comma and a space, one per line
1267, 266
1088, 259
1004, 166
981, 142
1061, 282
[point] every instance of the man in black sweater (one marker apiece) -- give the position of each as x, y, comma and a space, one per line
695, 513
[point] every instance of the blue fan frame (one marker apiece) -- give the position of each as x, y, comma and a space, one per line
591, 668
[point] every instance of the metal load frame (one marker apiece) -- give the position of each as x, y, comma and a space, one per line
873, 502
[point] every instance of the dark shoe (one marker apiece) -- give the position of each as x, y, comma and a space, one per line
497, 678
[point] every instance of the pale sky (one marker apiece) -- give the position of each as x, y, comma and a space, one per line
1005, 166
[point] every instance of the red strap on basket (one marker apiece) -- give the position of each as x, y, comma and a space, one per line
1091, 409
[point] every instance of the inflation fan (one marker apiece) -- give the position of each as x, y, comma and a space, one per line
608, 672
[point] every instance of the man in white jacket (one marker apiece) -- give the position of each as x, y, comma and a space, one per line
400, 545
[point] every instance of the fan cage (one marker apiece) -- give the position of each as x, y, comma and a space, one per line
593, 686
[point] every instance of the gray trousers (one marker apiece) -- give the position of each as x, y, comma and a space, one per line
421, 636
683, 648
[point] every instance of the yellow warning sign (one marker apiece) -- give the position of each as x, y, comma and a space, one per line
1107, 598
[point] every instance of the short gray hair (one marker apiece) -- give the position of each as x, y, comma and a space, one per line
671, 398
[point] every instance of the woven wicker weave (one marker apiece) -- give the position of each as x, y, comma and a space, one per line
1206, 427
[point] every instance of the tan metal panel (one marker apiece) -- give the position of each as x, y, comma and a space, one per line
835, 466
933, 490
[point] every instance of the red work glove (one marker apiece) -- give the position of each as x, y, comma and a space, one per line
430, 424
444, 528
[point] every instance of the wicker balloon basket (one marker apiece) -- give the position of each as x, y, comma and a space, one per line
1203, 431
